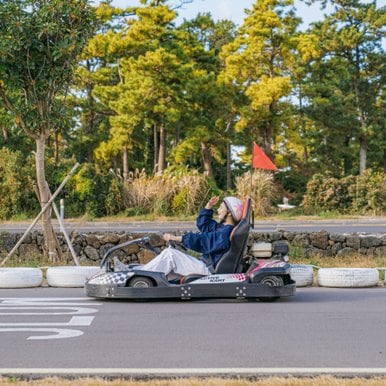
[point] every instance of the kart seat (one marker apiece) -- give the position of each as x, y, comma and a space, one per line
230, 260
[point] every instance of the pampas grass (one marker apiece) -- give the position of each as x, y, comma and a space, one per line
262, 190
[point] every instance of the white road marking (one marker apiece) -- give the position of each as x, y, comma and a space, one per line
74, 321
60, 333
49, 307
73, 310
258, 371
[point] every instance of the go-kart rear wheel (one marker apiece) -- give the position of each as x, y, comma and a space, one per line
141, 282
272, 281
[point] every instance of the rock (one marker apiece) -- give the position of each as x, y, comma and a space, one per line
336, 248
109, 238
92, 240
156, 241
123, 238
313, 252
353, 242
301, 240
7, 241
104, 248
370, 241
346, 252
91, 253
145, 256
131, 249
84, 260
28, 250
275, 236
319, 239
288, 235
338, 237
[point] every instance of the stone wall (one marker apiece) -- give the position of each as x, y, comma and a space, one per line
90, 247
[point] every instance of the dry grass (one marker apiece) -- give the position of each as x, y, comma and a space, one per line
351, 261
261, 189
272, 381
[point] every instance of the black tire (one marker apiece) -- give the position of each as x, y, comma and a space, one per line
272, 281
141, 282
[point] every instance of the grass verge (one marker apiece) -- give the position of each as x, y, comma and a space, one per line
271, 381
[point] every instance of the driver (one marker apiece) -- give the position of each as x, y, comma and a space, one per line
212, 241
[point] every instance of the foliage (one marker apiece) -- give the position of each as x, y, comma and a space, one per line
16, 185
260, 188
351, 194
168, 99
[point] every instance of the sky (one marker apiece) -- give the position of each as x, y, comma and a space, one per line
231, 9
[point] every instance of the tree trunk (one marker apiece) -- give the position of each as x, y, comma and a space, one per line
362, 155
155, 140
229, 169
162, 150
44, 194
207, 159
125, 165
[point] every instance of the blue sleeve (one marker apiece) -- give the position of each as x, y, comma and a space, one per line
210, 242
205, 222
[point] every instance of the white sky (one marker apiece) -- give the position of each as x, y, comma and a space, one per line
234, 10
230, 9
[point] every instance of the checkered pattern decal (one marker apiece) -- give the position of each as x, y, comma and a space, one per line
111, 278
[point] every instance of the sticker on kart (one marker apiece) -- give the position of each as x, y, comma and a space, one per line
227, 278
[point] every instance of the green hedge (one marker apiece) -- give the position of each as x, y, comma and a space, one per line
364, 194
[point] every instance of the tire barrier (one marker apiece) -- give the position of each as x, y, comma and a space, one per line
348, 277
70, 276
20, 277
302, 274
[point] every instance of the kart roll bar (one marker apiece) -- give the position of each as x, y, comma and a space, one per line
144, 241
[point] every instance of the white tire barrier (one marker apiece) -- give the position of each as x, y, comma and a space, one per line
20, 277
302, 274
348, 277
70, 276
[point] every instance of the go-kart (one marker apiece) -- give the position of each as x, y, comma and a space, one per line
237, 275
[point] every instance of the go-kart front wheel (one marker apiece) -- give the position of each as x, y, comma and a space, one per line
140, 282
272, 281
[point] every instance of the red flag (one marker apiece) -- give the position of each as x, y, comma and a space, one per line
260, 160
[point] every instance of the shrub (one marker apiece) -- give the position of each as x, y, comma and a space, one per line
351, 194
16, 185
368, 194
261, 189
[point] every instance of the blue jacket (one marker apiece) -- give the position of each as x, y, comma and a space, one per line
212, 241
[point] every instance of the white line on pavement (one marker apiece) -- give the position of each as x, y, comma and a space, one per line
199, 371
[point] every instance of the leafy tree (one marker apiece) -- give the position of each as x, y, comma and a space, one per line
258, 63
351, 37
39, 45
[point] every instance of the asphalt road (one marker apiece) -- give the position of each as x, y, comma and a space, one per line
365, 225
54, 331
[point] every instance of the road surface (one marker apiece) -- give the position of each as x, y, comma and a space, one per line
320, 330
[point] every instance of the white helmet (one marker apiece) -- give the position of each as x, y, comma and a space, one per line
235, 206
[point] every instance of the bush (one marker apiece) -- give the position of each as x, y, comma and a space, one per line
368, 194
17, 196
351, 194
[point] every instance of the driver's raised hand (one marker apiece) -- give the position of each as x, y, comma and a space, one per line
212, 202
169, 237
